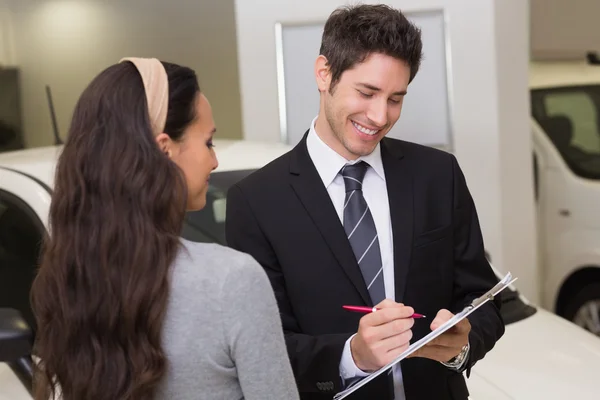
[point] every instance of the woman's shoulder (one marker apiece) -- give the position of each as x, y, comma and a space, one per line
211, 250
218, 261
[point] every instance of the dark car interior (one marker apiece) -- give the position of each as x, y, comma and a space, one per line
20, 243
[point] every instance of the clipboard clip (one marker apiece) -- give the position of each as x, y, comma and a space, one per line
491, 294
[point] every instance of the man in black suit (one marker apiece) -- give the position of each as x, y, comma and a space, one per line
351, 217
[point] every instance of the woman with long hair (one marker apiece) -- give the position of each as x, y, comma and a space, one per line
125, 308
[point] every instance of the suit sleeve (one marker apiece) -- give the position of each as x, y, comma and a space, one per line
473, 275
314, 359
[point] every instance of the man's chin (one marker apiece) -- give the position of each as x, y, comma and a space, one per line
361, 150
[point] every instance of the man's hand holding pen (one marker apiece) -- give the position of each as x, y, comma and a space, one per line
382, 335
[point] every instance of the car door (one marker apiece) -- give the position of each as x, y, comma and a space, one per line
568, 126
24, 205
551, 205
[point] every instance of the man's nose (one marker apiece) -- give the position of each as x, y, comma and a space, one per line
377, 113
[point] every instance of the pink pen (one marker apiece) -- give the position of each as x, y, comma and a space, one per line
373, 309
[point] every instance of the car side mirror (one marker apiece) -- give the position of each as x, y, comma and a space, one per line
15, 336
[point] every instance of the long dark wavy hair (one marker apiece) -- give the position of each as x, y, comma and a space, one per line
117, 209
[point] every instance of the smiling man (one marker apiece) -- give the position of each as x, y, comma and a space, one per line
350, 217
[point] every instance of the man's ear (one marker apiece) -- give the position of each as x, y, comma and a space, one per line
164, 143
322, 74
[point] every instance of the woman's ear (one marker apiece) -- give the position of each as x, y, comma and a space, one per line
164, 143
322, 73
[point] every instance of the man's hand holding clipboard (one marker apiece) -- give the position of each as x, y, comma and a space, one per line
449, 344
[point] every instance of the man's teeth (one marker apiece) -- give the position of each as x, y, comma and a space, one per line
365, 130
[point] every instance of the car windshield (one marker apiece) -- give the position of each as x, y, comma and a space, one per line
570, 116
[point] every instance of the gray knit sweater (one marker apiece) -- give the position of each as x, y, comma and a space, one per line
222, 334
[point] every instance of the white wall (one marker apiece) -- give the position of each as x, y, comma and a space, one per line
564, 29
65, 43
515, 160
490, 110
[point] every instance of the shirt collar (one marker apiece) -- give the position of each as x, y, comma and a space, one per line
329, 163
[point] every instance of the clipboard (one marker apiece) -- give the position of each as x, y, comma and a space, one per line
475, 304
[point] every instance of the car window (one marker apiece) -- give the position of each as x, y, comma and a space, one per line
208, 224
21, 234
570, 117
581, 110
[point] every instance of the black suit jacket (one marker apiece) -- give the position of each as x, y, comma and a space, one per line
283, 216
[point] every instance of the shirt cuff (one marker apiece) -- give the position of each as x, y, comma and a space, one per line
348, 368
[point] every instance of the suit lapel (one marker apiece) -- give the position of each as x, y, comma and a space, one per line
309, 188
400, 194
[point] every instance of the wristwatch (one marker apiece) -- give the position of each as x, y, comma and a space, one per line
458, 361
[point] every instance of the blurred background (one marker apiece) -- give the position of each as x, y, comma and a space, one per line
493, 80
510, 87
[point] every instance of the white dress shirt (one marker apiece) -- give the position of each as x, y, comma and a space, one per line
328, 164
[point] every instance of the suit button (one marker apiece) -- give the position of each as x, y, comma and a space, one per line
320, 385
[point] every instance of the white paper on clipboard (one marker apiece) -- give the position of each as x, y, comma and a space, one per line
503, 284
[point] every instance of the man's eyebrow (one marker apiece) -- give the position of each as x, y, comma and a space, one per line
376, 89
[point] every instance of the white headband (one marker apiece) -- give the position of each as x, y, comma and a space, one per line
156, 85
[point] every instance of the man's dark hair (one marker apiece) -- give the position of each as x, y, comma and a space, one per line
352, 33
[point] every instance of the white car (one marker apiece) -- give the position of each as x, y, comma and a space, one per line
565, 124
541, 356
